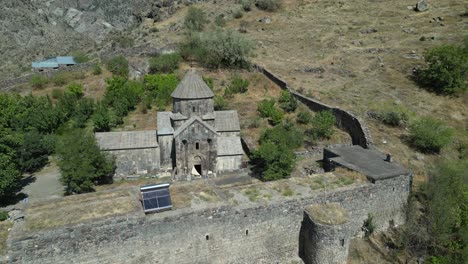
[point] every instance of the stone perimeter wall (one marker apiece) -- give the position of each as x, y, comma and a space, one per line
266, 233
344, 119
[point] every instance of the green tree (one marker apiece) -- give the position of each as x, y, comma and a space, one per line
447, 211
446, 70
166, 63
322, 125
267, 109
118, 65
9, 177
429, 135
34, 151
161, 86
195, 20
274, 159
83, 111
287, 101
101, 119
81, 162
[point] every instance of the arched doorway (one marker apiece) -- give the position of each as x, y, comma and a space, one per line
197, 166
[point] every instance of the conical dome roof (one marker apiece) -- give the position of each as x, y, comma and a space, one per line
192, 86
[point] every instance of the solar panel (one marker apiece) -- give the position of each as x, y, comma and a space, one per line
156, 197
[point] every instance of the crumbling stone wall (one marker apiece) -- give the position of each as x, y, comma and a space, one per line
260, 233
344, 119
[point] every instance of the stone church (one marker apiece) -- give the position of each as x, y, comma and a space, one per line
191, 141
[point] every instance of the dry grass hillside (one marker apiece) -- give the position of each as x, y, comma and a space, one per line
358, 55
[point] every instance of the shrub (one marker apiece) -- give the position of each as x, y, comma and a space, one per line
123, 41
209, 82
368, 226
393, 117
268, 5
195, 20
304, 117
165, 63
59, 79
80, 57
97, 69
429, 135
75, 89
220, 103
38, 81
287, 101
218, 49
238, 85
322, 125
267, 109
238, 14
3, 215
446, 69
118, 65
246, 5
82, 163
56, 93
220, 21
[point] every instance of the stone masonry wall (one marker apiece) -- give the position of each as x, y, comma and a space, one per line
267, 233
344, 119
136, 162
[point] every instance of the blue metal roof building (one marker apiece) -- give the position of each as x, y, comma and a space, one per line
54, 62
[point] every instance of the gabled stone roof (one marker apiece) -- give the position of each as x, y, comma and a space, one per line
229, 146
164, 123
227, 121
126, 140
189, 122
192, 86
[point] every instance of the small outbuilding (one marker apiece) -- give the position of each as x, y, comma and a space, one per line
53, 63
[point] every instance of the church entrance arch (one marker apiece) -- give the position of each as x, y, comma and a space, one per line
197, 165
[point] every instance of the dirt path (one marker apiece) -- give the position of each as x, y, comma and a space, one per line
45, 184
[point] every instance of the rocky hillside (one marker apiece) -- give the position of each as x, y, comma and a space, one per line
32, 30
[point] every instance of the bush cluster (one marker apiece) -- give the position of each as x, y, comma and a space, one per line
274, 159
195, 20
166, 63
322, 125
446, 71
237, 85
118, 65
218, 48
304, 117
39, 81
429, 135
160, 87
268, 5
267, 109
287, 101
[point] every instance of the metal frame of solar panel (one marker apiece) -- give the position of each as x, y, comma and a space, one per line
156, 197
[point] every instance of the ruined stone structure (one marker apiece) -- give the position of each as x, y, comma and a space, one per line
191, 141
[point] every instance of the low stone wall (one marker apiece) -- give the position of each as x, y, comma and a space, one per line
260, 233
344, 119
